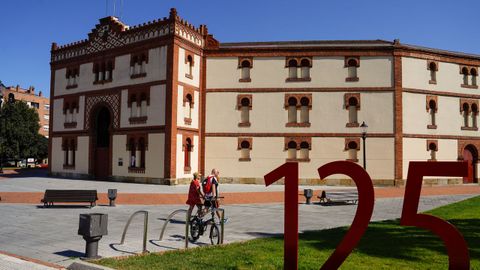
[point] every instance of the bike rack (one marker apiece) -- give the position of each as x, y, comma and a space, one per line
145, 228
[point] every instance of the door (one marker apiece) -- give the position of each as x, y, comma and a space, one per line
468, 157
102, 149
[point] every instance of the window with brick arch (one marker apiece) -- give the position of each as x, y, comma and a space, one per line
143, 104
246, 66
433, 71
292, 69
352, 65
466, 112
432, 105
189, 66
473, 76
304, 110
188, 106
465, 75
187, 154
245, 151
474, 109
292, 110
432, 148
304, 151
142, 148
352, 148
292, 150
352, 110
245, 110
305, 68
134, 106
133, 153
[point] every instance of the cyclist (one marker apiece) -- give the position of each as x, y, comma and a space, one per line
210, 188
195, 194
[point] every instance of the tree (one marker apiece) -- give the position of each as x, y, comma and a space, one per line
19, 127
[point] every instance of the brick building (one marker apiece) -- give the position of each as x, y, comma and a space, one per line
37, 101
158, 101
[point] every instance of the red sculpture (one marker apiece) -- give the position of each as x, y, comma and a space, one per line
457, 248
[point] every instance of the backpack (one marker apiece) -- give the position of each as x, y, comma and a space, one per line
207, 184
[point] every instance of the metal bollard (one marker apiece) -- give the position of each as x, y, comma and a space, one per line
92, 227
112, 195
308, 193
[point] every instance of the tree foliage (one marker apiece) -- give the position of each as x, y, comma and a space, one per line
19, 137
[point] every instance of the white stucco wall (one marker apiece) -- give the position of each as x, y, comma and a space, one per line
223, 72
449, 119
154, 157
268, 153
415, 149
181, 109
183, 69
59, 117
81, 156
156, 69
155, 111
416, 75
328, 113
180, 158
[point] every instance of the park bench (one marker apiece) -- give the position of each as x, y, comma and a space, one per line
339, 196
77, 196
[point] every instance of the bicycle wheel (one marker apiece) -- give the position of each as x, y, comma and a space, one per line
214, 235
195, 229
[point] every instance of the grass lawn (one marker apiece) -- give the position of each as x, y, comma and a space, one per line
385, 245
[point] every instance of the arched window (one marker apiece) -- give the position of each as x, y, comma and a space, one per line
71, 153
103, 72
134, 66
304, 109
66, 111
292, 110
143, 104
245, 151
433, 72
305, 68
292, 150
131, 146
143, 62
245, 110
246, 66
473, 73
352, 148
73, 114
432, 147
466, 112
474, 115
465, 75
188, 107
352, 65
133, 106
190, 67
96, 71
141, 146
352, 110
187, 153
432, 105
109, 73
292, 69
304, 149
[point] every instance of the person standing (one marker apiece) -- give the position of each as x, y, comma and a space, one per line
195, 194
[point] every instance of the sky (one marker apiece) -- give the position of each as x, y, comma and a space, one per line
28, 27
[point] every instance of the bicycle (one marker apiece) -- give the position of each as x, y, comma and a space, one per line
198, 226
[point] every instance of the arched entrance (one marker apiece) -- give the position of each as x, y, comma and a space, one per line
470, 154
101, 141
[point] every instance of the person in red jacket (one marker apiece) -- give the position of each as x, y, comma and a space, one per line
195, 195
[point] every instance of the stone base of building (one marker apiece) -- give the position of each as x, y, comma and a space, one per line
258, 181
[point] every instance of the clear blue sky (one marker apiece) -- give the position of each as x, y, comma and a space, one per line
27, 27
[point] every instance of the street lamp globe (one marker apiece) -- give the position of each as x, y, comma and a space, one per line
364, 128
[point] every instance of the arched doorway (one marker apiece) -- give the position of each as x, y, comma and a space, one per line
470, 154
101, 140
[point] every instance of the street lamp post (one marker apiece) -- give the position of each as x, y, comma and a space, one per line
364, 128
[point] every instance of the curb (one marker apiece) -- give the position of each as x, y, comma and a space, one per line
83, 265
39, 262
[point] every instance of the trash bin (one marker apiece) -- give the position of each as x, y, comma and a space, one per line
308, 193
92, 227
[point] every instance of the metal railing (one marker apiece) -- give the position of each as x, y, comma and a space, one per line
145, 228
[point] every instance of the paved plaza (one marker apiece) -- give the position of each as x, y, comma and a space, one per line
50, 234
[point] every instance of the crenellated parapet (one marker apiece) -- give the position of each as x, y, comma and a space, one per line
111, 33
